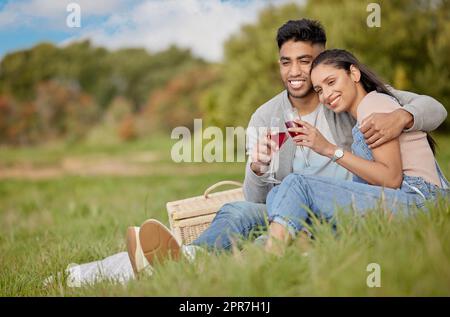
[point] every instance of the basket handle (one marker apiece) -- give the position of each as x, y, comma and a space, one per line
211, 188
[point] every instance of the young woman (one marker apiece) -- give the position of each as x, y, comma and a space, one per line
403, 172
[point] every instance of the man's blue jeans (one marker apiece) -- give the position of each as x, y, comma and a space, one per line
234, 221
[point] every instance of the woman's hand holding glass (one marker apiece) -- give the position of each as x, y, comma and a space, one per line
291, 119
310, 136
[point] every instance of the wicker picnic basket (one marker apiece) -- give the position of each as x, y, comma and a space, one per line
189, 217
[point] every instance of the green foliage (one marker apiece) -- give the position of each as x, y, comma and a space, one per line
408, 50
178, 103
59, 109
63, 110
95, 74
133, 73
116, 124
137, 73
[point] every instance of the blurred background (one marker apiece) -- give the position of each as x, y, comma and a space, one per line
97, 84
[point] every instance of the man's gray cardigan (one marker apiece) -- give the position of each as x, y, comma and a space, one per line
428, 114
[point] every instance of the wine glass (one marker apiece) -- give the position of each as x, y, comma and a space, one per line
290, 115
278, 137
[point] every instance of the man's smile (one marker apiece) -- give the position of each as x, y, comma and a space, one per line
297, 83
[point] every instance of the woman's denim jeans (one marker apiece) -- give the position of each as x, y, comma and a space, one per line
290, 202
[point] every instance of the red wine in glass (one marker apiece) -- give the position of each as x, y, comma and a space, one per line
293, 124
290, 115
278, 138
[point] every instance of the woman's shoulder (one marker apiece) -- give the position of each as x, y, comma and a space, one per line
376, 102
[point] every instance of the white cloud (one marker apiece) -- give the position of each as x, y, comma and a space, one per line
7, 18
202, 26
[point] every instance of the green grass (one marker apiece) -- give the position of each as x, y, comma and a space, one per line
48, 223
53, 153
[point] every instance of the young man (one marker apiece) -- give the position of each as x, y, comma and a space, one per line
299, 42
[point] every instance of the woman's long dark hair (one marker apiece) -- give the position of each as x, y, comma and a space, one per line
342, 59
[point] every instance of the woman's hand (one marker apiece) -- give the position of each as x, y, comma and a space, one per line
312, 138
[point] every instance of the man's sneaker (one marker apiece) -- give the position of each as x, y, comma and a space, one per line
157, 242
137, 258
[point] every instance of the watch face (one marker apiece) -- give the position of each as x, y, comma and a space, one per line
338, 154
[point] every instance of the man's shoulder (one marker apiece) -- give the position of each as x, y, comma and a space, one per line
271, 106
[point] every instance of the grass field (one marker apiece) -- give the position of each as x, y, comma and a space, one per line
59, 204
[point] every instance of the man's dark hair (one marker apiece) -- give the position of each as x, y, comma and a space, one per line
304, 30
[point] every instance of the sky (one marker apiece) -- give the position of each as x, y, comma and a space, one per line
201, 25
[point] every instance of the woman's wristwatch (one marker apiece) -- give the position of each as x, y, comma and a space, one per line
338, 153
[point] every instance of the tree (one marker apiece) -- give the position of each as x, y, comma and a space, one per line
178, 103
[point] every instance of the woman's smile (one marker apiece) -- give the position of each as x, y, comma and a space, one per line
333, 103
